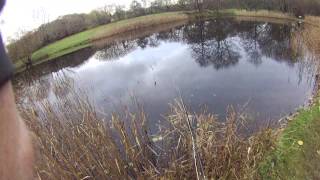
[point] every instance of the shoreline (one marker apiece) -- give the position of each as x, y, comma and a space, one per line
87, 38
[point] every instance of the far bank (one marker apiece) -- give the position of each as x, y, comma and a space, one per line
87, 38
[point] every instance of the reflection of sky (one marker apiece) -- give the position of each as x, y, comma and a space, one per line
134, 74
155, 75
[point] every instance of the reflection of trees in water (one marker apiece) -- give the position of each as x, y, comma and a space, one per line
37, 80
272, 40
116, 50
220, 54
275, 43
250, 42
63, 83
217, 42
153, 41
210, 44
32, 75
173, 35
58, 83
143, 42
265, 39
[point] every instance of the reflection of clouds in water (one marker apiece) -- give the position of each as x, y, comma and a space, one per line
135, 72
155, 74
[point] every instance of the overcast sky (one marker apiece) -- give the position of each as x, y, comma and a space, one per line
29, 14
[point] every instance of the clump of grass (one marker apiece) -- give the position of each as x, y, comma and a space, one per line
75, 141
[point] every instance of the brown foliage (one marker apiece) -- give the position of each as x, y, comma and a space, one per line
75, 141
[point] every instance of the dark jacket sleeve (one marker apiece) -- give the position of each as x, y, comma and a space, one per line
6, 68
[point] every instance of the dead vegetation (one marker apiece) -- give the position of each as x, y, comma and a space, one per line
76, 141
311, 34
305, 42
308, 36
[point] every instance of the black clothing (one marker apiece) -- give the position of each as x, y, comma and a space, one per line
6, 68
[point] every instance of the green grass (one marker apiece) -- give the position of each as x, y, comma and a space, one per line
293, 161
66, 43
84, 39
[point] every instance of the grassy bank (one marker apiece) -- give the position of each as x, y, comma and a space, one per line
297, 153
86, 38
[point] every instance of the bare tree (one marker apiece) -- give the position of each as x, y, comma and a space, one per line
109, 9
198, 5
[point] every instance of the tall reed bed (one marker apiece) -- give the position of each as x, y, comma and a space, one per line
76, 141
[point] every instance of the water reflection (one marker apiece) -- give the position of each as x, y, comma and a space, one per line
211, 45
215, 42
213, 62
115, 50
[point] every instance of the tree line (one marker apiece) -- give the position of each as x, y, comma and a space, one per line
27, 42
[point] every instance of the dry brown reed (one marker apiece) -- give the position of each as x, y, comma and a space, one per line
138, 23
202, 147
305, 42
311, 33
263, 14
75, 141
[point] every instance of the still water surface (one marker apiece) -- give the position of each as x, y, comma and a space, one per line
211, 64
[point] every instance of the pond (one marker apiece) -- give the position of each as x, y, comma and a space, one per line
210, 64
